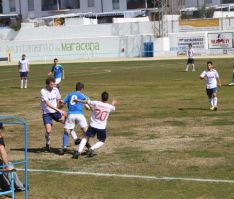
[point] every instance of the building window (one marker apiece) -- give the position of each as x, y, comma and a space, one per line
31, 5
12, 5
91, 3
227, 1
115, 4
135, 4
70, 4
208, 1
49, 5
1, 7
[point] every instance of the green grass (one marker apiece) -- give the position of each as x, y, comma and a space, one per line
162, 127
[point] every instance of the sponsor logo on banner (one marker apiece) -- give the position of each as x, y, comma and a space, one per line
199, 24
220, 40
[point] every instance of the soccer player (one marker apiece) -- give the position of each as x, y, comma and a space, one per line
58, 72
23, 66
232, 83
212, 79
190, 55
98, 123
3, 152
50, 97
75, 116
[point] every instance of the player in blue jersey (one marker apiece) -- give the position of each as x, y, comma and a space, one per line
75, 115
58, 72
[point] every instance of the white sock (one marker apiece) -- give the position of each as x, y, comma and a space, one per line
211, 101
215, 100
82, 145
187, 67
22, 83
25, 83
47, 138
73, 134
193, 67
97, 145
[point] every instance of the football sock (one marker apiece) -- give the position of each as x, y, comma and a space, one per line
65, 139
211, 102
82, 145
47, 138
88, 145
187, 67
215, 99
25, 83
73, 134
193, 67
97, 145
22, 83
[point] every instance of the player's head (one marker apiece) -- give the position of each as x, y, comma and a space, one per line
50, 83
79, 86
23, 56
190, 45
55, 60
209, 65
105, 96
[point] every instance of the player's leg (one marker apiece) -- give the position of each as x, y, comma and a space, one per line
193, 65
215, 100
48, 128
26, 80
187, 65
21, 80
101, 136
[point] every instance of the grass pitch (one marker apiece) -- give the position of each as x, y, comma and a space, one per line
162, 127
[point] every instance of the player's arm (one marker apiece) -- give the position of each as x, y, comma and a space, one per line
203, 76
80, 101
219, 82
51, 72
55, 108
19, 66
63, 74
3, 155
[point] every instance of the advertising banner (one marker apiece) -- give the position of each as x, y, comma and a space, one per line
198, 24
220, 40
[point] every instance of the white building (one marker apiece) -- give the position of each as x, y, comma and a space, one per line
199, 3
41, 8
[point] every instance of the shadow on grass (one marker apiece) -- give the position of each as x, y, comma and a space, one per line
191, 108
42, 150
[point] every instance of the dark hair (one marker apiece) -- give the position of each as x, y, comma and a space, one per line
23, 55
1, 126
49, 80
79, 86
190, 44
209, 62
105, 96
55, 59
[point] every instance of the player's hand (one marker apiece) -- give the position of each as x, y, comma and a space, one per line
63, 78
64, 113
220, 85
114, 102
49, 73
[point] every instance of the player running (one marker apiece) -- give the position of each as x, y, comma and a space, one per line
23, 66
75, 116
58, 72
50, 97
190, 54
98, 123
212, 79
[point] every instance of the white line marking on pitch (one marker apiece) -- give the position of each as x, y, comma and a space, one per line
131, 176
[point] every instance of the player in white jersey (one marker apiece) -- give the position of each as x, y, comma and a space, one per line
212, 79
98, 123
190, 54
23, 70
232, 83
50, 97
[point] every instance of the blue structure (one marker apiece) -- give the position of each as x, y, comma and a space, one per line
19, 121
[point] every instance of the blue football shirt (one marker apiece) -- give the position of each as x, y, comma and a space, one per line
57, 70
73, 107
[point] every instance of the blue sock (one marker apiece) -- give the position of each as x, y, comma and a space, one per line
65, 139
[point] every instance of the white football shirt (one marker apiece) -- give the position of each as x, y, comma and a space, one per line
190, 53
23, 65
100, 114
52, 97
211, 76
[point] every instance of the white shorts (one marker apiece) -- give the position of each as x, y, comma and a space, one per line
57, 80
75, 119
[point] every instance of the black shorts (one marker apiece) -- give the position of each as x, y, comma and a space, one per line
2, 142
190, 61
101, 133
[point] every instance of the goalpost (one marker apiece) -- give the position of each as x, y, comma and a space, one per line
18, 121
